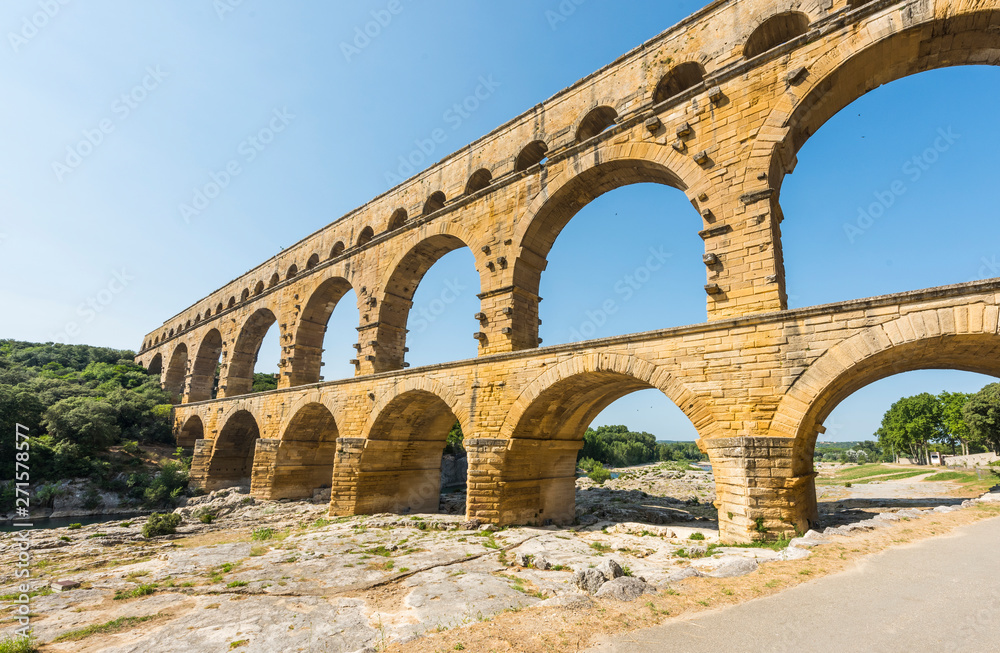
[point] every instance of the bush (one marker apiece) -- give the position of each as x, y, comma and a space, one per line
206, 516
160, 524
598, 474
75, 527
167, 486
13, 644
262, 534
696, 536
92, 498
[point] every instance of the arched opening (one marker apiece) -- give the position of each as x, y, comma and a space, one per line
434, 203
233, 454
397, 219
400, 471
197, 318
274, 280
337, 249
438, 309
307, 360
219, 308
539, 469
888, 374
880, 216
303, 462
596, 121
187, 325
531, 154
173, 381
232, 302
312, 262
774, 31
259, 288
205, 371
365, 236
156, 365
680, 78
640, 285
245, 295
292, 271
240, 379
208, 313
479, 180
192, 431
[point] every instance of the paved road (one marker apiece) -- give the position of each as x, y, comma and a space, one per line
941, 594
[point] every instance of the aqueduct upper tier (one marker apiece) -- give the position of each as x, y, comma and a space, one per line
717, 107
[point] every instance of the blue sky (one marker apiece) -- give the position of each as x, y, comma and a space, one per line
92, 233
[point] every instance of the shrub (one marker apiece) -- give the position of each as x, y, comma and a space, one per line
74, 527
262, 534
696, 536
598, 474
160, 524
142, 590
13, 644
206, 516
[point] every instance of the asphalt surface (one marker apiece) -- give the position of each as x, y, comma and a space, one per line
941, 594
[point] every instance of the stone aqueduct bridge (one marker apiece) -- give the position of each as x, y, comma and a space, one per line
717, 107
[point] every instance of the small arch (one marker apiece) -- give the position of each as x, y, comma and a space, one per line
233, 453
180, 327
479, 180
232, 302
259, 288
434, 203
397, 219
679, 79
143, 348
292, 271
774, 31
156, 340
306, 364
155, 365
275, 280
337, 249
208, 313
197, 318
312, 262
192, 431
365, 236
596, 121
219, 308
531, 154
245, 295
171, 333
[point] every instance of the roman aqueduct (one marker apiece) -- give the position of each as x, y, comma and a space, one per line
716, 106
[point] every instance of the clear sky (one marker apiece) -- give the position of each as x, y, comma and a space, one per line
115, 112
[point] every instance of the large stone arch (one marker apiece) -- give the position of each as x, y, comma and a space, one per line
586, 177
545, 425
306, 359
403, 275
396, 467
301, 460
201, 385
915, 38
232, 458
239, 369
176, 373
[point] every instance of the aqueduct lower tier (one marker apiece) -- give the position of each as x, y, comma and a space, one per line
757, 389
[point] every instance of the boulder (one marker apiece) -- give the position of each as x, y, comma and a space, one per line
732, 567
589, 580
625, 588
610, 569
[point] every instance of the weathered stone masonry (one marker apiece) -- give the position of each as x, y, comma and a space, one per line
717, 107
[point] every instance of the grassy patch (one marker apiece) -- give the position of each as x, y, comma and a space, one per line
961, 477
237, 583
262, 534
17, 645
114, 626
142, 590
599, 546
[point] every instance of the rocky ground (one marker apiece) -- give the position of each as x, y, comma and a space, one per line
270, 576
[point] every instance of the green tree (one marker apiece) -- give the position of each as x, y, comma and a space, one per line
87, 422
911, 424
952, 404
982, 414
